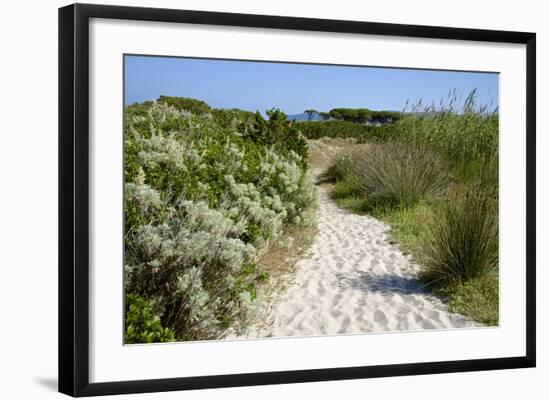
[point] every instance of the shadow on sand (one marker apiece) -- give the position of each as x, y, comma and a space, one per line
384, 284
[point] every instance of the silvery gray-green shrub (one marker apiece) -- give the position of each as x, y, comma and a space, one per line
202, 199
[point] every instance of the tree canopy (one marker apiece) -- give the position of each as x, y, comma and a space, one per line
363, 116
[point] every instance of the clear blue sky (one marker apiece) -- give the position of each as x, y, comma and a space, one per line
295, 87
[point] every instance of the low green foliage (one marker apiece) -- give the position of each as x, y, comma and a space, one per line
141, 325
477, 299
350, 187
409, 226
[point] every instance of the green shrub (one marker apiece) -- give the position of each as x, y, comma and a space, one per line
193, 106
142, 326
464, 240
188, 263
204, 193
278, 133
241, 120
393, 174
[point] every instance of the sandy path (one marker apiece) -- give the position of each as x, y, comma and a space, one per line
352, 281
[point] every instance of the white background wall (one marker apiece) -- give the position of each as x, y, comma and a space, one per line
28, 199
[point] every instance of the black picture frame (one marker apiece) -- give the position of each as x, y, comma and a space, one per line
74, 200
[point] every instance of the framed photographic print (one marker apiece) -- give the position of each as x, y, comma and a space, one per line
250, 199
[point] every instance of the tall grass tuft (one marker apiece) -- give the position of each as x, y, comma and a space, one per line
464, 240
394, 174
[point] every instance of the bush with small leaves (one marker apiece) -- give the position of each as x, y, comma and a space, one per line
142, 326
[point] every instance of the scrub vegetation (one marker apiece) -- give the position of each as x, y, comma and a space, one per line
207, 191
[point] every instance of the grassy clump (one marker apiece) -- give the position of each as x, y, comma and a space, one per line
463, 240
388, 175
394, 174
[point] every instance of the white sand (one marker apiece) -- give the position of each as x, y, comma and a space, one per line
353, 281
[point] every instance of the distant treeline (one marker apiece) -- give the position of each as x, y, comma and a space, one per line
363, 116
359, 116
343, 129
339, 122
